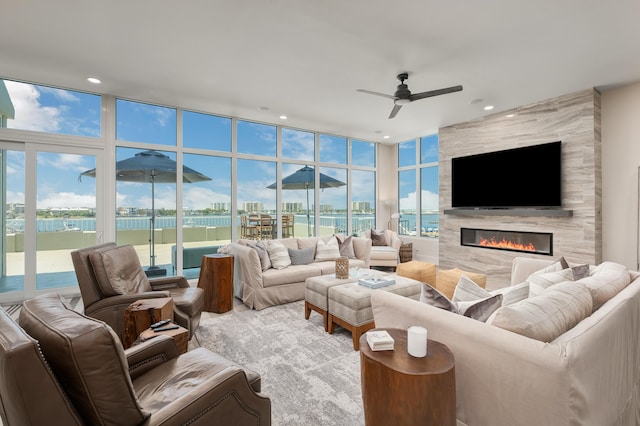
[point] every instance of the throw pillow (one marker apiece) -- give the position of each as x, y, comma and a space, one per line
473, 301
580, 271
261, 251
433, 297
549, 315
480, 310
538, 282
513, 294
378, 238
345, 246
447, 280
301, 257
327, 251
118, 270
607, 280
278, 254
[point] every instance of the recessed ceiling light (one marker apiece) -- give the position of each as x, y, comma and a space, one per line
386, 136
510, 115
283, 117
488, 108
94, 80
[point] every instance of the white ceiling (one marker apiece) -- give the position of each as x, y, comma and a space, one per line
306, 58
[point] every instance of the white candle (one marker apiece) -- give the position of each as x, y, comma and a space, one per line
417, 341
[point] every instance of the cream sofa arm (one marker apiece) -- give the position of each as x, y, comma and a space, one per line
496, 370
247, 271
362, 249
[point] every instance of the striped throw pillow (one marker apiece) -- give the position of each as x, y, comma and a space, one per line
327, 251
278, 254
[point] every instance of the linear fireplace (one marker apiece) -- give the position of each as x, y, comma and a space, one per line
528, 242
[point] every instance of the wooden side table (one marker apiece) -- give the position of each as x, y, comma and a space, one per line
398, 388
179, 335
142, 313
216, 279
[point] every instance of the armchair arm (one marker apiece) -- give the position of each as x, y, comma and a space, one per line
203, 405
123, 300
164, 283
149, 354
394, 241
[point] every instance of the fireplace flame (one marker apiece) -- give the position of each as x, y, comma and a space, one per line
492, 242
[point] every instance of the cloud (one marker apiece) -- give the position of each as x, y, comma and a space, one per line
429, 201
30, 114
66, 199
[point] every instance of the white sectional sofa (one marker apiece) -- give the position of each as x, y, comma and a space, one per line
589, 375
259, 288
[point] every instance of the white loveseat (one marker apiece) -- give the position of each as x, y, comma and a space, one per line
260, 289
590, 375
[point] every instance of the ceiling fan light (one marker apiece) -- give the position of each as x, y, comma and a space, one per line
402, 101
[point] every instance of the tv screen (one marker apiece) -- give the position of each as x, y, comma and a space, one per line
520, 177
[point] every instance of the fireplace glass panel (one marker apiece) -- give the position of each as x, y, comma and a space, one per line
528, 242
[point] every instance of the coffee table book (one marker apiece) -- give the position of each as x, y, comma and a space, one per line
380, 340
376, 282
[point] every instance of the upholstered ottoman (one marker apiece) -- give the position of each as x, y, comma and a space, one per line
350, 305
316, 292
419, 271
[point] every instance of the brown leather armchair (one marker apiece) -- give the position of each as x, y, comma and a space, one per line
111, 278
59, 366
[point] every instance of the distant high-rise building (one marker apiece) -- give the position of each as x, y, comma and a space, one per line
361, 206
326, 208
291, 207
225, 207
252, 206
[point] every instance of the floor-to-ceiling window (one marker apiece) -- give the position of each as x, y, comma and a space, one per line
418, 187
52, 137
75, 172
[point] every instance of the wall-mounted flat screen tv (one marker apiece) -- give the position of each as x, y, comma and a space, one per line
521, 177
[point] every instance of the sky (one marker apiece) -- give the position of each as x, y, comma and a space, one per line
50, 110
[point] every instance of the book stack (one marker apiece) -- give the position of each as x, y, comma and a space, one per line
376, 282
380, 340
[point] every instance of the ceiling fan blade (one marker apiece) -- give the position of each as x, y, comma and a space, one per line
394, 111
438, 92
376, 93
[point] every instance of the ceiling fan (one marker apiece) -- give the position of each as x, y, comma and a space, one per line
403, 95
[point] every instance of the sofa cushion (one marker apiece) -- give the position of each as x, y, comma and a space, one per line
607, 280
539, 281
378, 238
87, 358
278, 254
290, 275
345, 245
549, 315
327, 251
308, 242
447, 280
118, 271
384, 253
301, 257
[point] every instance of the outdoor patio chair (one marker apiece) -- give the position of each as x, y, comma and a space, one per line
111, 278
248, 230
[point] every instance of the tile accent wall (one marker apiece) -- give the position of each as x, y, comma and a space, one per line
573, 119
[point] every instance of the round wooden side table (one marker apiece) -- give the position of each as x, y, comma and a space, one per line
399, 389
216, 279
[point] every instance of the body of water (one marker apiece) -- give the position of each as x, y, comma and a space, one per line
360, 223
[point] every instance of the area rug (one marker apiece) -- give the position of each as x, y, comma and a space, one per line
311, 377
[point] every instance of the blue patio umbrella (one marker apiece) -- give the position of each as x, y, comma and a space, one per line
152, 167
305, 179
